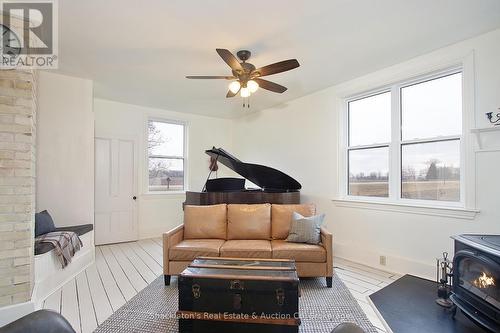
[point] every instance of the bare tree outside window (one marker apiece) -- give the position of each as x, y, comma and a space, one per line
155, 137
436, 171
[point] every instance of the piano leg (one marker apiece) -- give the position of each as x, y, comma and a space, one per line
329, 281
167, 279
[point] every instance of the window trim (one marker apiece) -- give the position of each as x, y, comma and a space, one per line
184, 150
399, 80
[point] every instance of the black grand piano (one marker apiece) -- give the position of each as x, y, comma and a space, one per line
274, 186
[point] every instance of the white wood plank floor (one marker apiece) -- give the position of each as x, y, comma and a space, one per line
122, 270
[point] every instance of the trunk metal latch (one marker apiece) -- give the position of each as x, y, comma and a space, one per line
196, 290
237, 301
280, 296
236, 285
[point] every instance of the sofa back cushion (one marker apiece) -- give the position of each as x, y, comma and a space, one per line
249, 221
282, 218
205, 222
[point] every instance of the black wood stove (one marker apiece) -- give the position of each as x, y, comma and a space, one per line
476, 278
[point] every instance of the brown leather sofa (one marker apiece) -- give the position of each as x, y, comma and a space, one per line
245, 231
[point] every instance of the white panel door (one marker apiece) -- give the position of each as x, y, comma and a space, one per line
115, 191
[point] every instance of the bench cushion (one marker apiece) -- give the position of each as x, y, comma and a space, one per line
299, 252
249, 221
82, 229
205, 222
246, 249
189, 249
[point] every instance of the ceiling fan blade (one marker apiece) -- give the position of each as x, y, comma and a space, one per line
231, 94
277, 67
271, 86
210, 77
230, 59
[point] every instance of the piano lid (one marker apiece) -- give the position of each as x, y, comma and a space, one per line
267, 178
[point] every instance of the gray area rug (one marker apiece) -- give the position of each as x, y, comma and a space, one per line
321, 309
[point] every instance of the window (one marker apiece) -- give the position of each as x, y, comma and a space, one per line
368, 152
404, 143
431, 128
166, 156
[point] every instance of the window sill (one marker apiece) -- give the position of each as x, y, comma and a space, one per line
165, 194
452, 212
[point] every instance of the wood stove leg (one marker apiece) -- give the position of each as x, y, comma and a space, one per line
329, 281
167, 279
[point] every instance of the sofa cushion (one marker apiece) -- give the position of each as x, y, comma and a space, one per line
281, 217
205, 222
191, 248
249, 221
298, 251
246, 249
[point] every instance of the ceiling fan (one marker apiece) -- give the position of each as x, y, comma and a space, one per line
247, 78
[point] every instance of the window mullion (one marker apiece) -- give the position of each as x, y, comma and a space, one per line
395, 146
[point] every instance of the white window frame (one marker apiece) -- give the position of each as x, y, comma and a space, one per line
463, 209
184, 152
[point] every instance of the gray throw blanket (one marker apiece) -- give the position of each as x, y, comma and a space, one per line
66, 243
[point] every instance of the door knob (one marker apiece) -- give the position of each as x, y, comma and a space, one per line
134, 197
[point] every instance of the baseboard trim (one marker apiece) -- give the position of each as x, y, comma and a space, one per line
153, 233
13, 312
395, 264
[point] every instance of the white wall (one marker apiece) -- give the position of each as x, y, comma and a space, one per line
158, 213
301, 138
65, 149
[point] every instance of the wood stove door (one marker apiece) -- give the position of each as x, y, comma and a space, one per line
476, 281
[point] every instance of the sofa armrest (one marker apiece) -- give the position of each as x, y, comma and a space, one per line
171, 238
327, 241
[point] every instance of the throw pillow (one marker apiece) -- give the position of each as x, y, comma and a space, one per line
305, 229
43, 223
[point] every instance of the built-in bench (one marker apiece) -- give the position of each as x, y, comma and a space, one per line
49, 275
80, 230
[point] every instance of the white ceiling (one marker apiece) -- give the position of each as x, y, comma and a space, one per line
138, 52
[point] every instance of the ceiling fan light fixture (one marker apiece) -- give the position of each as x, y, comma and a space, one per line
245, 92
246, 79
252, 86
234, 87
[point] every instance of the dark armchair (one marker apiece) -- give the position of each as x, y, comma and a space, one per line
41, 321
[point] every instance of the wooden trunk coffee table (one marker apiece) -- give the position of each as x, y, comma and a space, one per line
239, 295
